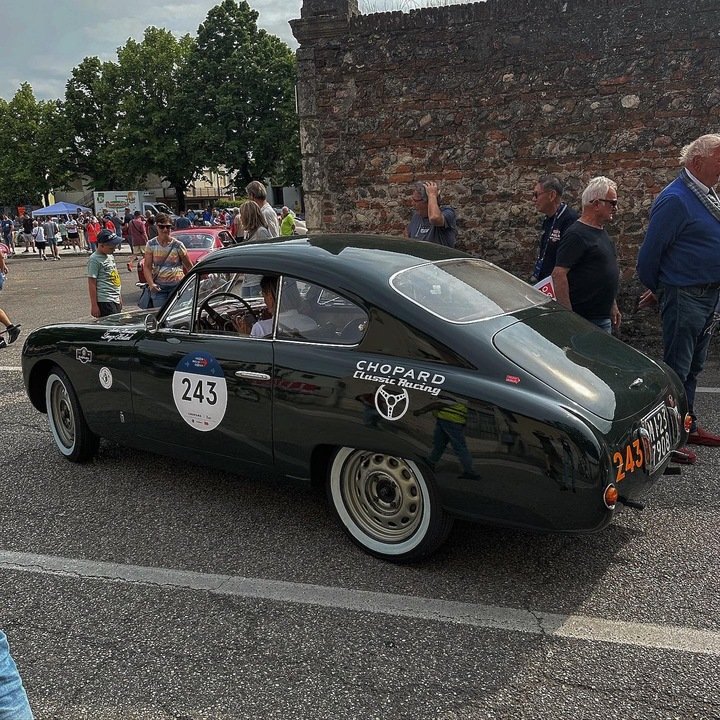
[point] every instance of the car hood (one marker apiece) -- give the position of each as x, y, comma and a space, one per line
132, 317
585, 364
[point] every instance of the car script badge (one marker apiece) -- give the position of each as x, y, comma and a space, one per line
391, 402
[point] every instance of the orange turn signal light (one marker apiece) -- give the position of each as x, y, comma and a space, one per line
610, 497
688, 422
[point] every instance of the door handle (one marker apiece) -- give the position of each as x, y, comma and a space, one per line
247, 375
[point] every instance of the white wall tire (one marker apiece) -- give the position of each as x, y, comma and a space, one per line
387, 504
67, 424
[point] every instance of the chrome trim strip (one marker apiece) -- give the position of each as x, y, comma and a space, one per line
251, 375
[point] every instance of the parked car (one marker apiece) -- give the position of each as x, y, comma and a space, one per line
199, 241
416, 382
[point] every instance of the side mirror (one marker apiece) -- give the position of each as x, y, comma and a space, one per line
151, 323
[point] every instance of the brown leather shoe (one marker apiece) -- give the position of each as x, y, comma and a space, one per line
683, 456
703, 437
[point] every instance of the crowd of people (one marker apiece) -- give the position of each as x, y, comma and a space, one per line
165, 258
78, 233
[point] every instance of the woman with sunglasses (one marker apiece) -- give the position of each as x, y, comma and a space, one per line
166, 262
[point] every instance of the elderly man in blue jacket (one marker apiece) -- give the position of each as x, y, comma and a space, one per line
679, 263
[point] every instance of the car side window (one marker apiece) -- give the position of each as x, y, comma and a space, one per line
179, 315
228, 304
311, 313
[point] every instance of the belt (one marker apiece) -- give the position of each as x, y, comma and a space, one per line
707, 286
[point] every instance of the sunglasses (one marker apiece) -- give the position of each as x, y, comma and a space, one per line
165, 227
609, 202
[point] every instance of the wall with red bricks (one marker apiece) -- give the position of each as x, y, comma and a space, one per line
485, 97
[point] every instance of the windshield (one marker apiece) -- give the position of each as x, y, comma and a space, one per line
465, 290
195, 241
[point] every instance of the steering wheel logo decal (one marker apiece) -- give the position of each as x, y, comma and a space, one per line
391, 402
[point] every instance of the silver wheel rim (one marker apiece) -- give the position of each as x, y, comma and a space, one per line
62, 414
382, 496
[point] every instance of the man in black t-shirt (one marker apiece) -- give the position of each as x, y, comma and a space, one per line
547, 196
26, 235
586, 273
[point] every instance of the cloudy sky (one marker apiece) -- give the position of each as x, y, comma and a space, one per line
43, 40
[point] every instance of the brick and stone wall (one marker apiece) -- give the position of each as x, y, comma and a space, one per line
485, 97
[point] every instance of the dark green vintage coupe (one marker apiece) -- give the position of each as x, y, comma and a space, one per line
419, 383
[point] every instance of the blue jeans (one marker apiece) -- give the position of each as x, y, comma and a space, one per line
160, 297
603, 323
13, 700
454, 433
687, 314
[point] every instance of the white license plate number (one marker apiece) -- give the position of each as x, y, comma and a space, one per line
657, 424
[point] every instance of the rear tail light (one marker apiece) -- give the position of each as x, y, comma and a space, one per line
610, 497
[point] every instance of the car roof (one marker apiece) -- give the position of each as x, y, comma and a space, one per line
353, 262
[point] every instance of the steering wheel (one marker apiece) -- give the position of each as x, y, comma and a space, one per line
220, 322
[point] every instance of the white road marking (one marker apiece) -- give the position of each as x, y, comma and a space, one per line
591, 629
10, 368
707, 390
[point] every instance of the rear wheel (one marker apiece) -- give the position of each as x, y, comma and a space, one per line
387, 504
72, 435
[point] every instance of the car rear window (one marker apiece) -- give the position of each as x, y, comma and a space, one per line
195, 241
465, 290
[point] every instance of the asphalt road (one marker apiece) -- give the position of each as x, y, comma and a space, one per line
136, 587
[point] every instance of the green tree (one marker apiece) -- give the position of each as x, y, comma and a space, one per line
53, 148
157, 120
244, 97
33, 149
91, 116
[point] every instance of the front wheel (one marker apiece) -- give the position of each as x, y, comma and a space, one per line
388, 506
73, 437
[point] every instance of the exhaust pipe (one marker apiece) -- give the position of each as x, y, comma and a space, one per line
636, 505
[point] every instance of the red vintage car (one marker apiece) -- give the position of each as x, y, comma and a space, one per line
199, 241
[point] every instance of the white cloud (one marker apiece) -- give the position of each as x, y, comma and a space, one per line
43, 40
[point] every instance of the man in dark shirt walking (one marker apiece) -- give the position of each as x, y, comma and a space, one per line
27, 236
547, 196
586, 273
182, 222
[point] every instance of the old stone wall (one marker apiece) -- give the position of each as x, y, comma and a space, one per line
485, 97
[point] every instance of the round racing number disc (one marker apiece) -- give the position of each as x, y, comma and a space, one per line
200, 391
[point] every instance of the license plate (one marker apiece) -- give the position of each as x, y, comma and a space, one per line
659, 432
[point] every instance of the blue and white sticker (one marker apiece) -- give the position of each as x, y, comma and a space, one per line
200, 391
